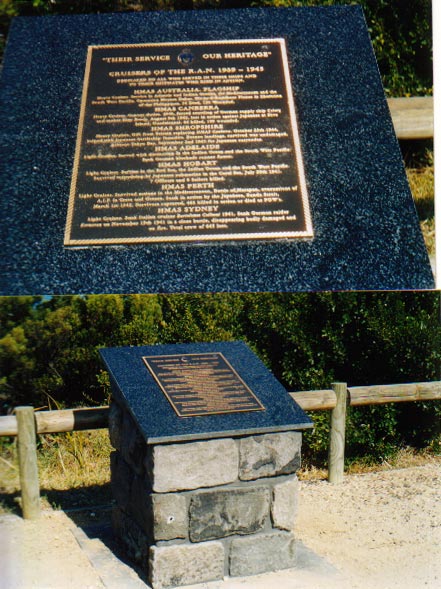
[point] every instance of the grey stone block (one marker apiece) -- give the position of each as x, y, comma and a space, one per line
269, 455
183, 564
122, 477
115, 424
195, 465
140, 506
284, 506
131, 536
217, 514
133, 445
262, 553
170, 516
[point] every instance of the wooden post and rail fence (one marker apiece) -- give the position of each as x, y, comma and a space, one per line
27, 423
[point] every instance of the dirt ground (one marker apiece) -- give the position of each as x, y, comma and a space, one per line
380, 530
377, 530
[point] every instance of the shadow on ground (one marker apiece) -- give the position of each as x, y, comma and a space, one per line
62, 499
80, 497
93, 524
10, 502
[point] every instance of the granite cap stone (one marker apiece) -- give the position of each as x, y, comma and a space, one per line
135, 388
366, 233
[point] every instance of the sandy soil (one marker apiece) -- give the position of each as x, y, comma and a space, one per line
380, 530
377, 530
43, 554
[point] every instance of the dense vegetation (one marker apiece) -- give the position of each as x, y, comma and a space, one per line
400, 29
49, 349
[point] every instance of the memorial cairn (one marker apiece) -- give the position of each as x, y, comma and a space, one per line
199, 510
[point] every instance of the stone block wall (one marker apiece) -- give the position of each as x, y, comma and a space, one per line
193, 512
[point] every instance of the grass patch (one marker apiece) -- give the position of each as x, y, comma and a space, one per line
403, 458
9, 487
74, 459
74, 470
421, 181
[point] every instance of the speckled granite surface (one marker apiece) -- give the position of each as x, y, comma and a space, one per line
366, 230
136, 389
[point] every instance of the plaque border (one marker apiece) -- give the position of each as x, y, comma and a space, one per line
206, 413
194, 238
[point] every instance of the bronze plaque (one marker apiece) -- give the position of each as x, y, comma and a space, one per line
189, 141
201, 384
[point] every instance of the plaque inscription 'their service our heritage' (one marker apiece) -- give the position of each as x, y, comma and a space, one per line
189, 141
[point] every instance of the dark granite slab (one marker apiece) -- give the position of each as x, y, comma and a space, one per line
134, 386
366, 233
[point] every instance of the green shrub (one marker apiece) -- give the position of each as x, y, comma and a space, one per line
400, 31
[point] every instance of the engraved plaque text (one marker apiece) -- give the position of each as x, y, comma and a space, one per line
201, 384
188, 141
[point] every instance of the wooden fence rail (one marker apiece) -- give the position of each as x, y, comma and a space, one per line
369, 395
26, 423
412, 117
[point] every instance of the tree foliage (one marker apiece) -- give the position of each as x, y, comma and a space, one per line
401, 34
51, 354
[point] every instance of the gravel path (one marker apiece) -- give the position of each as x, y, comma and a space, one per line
374, 531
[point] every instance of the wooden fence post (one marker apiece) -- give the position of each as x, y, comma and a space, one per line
27, 456
336, 455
